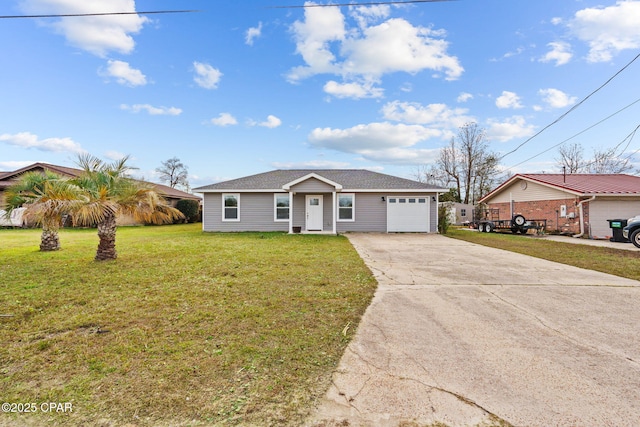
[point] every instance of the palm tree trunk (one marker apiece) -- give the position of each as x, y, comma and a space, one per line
49, 241
107, 235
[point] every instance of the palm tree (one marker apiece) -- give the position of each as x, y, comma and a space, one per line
111, 192
47, 198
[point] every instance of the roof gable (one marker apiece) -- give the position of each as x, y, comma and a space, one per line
342, 179
578, 184
288, 185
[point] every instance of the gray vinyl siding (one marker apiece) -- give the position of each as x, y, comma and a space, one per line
370, 215
256, 214
312, 186
371, 212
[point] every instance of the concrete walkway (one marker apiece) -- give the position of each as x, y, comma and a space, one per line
468, 335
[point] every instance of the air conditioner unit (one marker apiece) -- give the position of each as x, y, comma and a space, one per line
571, 215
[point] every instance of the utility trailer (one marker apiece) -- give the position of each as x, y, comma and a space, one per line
517, 224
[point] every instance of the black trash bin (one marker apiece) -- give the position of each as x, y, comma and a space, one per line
616, 226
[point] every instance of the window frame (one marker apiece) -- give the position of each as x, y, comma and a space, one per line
275, 207
352, 207
224, 208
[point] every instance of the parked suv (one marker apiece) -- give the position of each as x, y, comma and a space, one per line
632, 230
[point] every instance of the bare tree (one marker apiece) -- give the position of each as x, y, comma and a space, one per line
606, 161
603, 161
469, 165
571, 158
174, 173
449, 164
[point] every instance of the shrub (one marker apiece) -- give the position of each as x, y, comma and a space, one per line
443, 218
190, 209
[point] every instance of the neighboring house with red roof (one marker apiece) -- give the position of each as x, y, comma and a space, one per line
579, 204
7, 179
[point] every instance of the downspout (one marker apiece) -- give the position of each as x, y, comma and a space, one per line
335, 212
582, 215
290, 212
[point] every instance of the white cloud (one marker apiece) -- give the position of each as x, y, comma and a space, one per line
382, 142
98, 35
508, 100
366, 15
311, 164
150, 109
252, 34
271, 122
555, 98
124, 74
353, 90
206, 76
114, 155
321, 26
506, 130
224, 119
364, 52
560, 53
29, 140
608, 30
435, 115
464, 97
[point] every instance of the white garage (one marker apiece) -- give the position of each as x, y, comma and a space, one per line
408, 214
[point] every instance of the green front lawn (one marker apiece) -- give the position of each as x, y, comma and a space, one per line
184, 328
618, 262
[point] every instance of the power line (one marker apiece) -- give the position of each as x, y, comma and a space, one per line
574, 136
572, 108
376, 3
70, 15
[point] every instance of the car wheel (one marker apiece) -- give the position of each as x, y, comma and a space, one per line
488, 227
481, 228
635, 238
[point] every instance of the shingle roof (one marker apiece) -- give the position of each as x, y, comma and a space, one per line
6, 181
350, 179
581, 184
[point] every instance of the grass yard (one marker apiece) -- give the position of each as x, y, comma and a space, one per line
618, 262
185, 328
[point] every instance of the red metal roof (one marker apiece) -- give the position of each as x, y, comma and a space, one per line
590, 184
580, 184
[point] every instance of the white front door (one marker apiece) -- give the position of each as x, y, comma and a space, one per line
314, 213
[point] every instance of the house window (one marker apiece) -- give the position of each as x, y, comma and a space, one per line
463, 212
392, 200
281, 202
345, 207
422, 200
231, 207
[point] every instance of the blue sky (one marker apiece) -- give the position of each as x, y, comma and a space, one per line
240, 88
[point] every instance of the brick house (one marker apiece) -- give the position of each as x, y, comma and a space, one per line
7, 179
578, 204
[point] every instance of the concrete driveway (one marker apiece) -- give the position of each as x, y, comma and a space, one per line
467, 335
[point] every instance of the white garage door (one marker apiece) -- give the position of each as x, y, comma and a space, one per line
408, 214
602, 210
